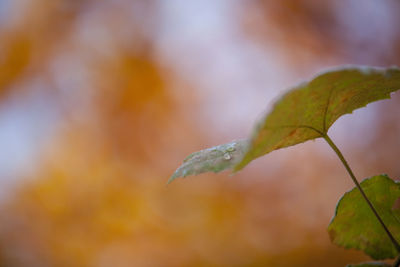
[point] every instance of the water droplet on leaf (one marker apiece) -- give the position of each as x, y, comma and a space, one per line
230, 149
227, 156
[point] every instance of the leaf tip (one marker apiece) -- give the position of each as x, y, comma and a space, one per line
172, 178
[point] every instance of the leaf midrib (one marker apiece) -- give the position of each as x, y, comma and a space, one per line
296, 126
327, 108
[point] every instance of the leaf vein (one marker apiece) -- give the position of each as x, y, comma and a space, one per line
327, 107
296, 126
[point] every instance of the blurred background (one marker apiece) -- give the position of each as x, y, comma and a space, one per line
101, 100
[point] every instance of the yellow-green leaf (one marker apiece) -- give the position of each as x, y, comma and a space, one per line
355, 226
307, 111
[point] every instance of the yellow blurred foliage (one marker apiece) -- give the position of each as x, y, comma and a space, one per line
16, 52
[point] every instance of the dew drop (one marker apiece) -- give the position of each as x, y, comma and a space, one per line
227, 156
230, 149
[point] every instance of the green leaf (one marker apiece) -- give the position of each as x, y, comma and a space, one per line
307, 111
369, 264
355, 226
214, 159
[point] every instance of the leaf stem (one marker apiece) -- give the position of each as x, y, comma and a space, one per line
346, 165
